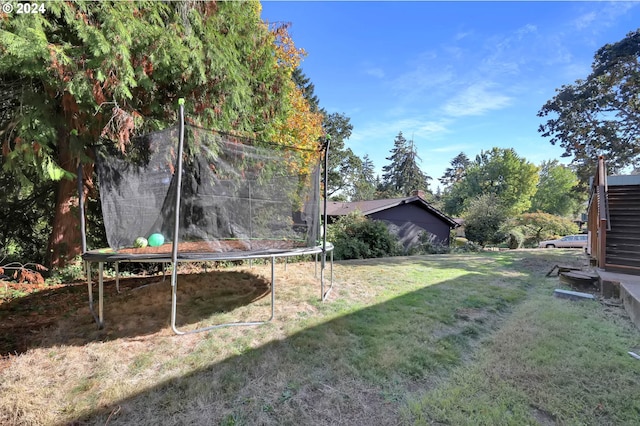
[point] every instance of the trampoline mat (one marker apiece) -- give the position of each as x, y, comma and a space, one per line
205, 251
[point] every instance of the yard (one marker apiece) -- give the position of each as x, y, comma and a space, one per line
441, 339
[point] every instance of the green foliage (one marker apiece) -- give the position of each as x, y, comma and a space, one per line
364, 187
139, 57
85, 70
356, 237
500, 171
403, 175
485, 219
343, 163
72, 272
543, 226
599, 114
25, 213
557, 191
427, 245
457, 171
515, 238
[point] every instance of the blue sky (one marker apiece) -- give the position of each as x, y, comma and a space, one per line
452, 76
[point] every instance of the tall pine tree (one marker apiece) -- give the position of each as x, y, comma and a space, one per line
364, 187
403, 175
457, 170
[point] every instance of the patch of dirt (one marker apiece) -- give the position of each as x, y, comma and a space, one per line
472, 314
543, 417
61, 315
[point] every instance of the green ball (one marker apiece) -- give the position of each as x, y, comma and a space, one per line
140, 242
156, 240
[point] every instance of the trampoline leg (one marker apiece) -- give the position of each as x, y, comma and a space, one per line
174, 286
331, 268
322, 259
101, 294
117, 278
273, 288
315, 267
325, 294
174, 300
89, 285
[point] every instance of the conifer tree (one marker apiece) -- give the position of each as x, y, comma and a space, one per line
456, 172
403, 175
364, 187
88, 69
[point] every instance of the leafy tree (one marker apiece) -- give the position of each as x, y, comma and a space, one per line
542, 226
343, 163
89, 69
364, 187
557, 192
600, 115
457, 171
403, 175
500, 171
485, 219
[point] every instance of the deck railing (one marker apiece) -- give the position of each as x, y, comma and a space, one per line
598, 215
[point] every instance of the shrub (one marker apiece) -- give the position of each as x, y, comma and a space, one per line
485, 219
544, 226
428, 245
515, 238
356, 237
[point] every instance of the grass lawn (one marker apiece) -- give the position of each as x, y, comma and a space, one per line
443, 339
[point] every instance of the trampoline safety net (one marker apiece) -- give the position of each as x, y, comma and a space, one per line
236, 194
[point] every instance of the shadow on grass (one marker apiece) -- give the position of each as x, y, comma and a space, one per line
141, 308
354, 369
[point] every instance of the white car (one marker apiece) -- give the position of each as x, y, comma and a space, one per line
569, 241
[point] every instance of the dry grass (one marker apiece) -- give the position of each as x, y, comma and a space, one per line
392, 331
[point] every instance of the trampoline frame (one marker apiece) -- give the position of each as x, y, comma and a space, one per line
102, 256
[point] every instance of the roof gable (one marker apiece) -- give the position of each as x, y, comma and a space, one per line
366, 208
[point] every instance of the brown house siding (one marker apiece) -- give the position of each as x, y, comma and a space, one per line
410, 221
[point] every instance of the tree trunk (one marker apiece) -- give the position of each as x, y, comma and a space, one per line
65, 239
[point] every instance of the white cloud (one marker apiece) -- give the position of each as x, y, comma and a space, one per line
423, 77
451, 148
375, 72
607, 15
476, 99
414, 127
585, 20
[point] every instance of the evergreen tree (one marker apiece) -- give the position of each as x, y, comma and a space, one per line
343, 162
86, 69
403, 175
307, 88
457, 171
364, 187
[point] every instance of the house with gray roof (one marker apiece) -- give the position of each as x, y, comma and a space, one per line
407, 218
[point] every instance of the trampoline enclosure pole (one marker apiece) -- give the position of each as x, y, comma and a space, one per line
176, 225
83, 230
324, 219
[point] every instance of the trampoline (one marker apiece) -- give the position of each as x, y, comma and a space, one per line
189, 194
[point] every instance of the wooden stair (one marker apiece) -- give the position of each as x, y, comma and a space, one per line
623, 240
